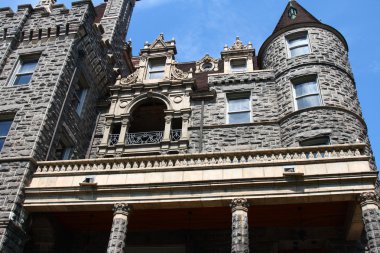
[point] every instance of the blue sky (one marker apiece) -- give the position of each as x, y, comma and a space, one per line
204, 26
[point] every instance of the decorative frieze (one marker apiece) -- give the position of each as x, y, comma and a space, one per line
226, 159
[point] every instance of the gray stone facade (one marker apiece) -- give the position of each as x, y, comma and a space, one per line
83, 48
69, 47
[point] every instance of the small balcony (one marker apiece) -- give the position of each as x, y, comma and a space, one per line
143, 138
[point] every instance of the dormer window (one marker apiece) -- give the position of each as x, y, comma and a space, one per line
156, 68
238, 65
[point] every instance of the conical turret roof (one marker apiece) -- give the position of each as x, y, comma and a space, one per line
294, 14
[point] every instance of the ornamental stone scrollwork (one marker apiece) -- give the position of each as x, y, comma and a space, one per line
207, 64
367, 198
122, 208
132, 78
238, 45
178, 74
239, 204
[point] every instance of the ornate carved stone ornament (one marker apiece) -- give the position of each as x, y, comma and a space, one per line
132, 78
206, 64
122, 208
367, 198
160, 44
178, 74
239, 204
238, 45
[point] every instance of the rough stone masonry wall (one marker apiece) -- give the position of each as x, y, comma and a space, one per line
95, 69
35, 109
262, 132
116, 21
10, 30
326, 49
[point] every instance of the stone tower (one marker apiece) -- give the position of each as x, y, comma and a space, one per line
55, 64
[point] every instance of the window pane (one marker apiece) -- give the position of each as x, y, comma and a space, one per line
22, 79
5, 125
238, 65
156, 75
309, 101
237, 105
303, 89
157, 64
28, 66
301, 40
241, 117
324, 140
2, 140
299, 51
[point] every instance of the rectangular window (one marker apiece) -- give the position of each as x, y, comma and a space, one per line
318, 141
63, 151
5, 125
24, 71
298, 45
79, 97
306, 93
238, 65
156, 68
239, 110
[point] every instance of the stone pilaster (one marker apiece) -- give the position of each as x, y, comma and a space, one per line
168, 125
369, 202
125, 123
240, 235
118, 234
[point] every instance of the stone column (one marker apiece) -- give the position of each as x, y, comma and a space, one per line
118, 234
125, 123
369, 202
168, 125
240, 235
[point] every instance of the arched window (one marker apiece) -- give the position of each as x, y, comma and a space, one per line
148, 122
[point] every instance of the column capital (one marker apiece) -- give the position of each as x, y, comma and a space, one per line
368, 198
122, 208
239, 204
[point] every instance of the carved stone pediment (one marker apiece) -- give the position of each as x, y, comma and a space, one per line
158, 43
207, 64
238, 45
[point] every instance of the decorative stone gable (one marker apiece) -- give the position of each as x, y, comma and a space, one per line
238, 52
207, 64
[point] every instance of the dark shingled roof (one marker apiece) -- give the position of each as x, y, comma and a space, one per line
303, 16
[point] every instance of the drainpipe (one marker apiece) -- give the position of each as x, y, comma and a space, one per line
201, 127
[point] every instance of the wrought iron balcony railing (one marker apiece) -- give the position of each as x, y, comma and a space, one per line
151, 137
113, 139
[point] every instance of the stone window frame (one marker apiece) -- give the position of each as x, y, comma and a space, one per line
236, 96
301, 80
5, 118
35, 56
148, 67
66, 139
294, 36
